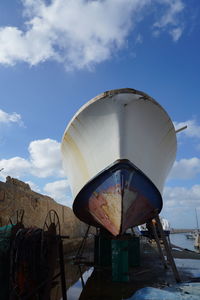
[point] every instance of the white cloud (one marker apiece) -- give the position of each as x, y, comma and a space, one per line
174, 7
15, 167
59, 191
182, 197
44, 161
80, 33
45, 158
180, 204
33, 186
185, 168
7, 118
170, 19
193, 129
176, 33
139, 39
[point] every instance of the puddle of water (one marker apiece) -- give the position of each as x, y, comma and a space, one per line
100, 287
189, 266
74, 292
94, 284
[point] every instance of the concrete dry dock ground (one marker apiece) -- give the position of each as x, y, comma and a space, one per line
97, 282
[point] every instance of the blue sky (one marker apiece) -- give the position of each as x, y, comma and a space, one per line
56, 55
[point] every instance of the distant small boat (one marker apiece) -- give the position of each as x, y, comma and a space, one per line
193, 235
197, 237
117, 151
190, 235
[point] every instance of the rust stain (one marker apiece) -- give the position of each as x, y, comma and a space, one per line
79, 121
76, 154
105, 207
112, 206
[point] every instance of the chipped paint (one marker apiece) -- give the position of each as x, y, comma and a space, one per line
119, 198
106, 208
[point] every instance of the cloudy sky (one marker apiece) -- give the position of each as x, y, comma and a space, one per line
55, 55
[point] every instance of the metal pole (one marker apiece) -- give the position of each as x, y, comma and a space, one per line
82, 245
181, 129
197, 219
62, 269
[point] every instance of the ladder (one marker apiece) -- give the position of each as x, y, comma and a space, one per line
157, 228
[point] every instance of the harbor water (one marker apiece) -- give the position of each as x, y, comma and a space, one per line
180, 239
185, 265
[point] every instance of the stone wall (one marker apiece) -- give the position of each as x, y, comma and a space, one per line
15, 195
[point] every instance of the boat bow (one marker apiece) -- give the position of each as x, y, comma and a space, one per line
118, 198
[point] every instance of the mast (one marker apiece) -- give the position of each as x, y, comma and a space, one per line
197, 219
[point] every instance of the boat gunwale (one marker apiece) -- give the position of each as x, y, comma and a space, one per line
111, 93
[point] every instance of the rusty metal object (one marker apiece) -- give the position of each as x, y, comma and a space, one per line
52, 221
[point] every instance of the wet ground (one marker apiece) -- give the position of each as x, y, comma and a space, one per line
95, 283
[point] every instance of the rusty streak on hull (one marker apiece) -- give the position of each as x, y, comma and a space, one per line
118, 198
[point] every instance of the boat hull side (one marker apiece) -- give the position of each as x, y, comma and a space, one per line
120, 124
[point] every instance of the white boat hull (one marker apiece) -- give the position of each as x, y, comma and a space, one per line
116, 125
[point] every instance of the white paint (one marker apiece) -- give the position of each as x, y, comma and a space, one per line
121, 124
